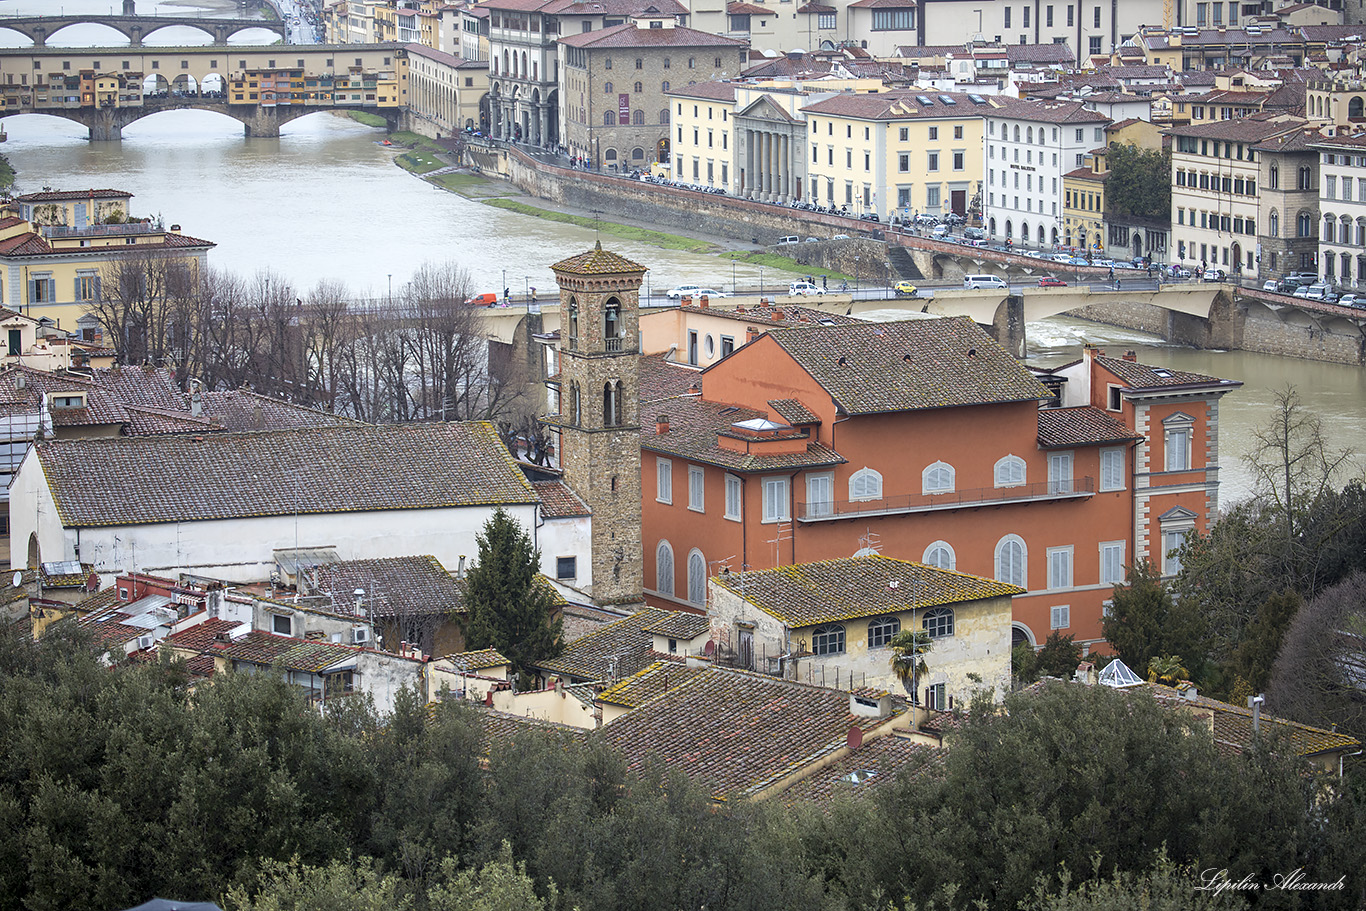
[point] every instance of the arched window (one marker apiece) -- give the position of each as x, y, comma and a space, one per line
664, 569
1305, 224
610, 155
1354, 107
576, 402
697, 578
937, 478
611, 403
865, 484
1029, 135
1275, 177
1010, 472
639, 88
1041, 236
1275, 223
1328, 222
611, 323
664, 86
1010, 561
939, 622
664, 116
573, 324
881, 630
638, 117
609, 118
940, 555
827, 640
638, 154
607, 88
640, 63
1017, 132
1306, 179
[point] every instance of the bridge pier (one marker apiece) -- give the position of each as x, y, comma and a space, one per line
261, 123
105, 126
1008, 326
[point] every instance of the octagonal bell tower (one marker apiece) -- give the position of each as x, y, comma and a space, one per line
599, 419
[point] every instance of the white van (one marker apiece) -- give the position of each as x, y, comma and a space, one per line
788, 240
984, 281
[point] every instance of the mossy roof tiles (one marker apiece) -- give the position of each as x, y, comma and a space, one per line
873, 368
736, 732
142, 480
598, 261
615, 649
1083, 426
655, 680
830, 591
864, 770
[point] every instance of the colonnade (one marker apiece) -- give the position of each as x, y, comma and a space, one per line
770, 172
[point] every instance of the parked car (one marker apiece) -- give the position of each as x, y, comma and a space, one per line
940, 231
1350, 300
1319, 291
1180, 272
788, 240
984, 281
840, 237
1304, 278
706, 292
1049, 281
487, 299
803, 289
904, 289
1270, 285
974, 233
683, 291
1214, 275
813, 240
1289, 285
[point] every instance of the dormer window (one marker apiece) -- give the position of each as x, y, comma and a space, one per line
66, 401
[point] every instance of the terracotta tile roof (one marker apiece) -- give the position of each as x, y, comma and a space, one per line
66, 580
614, 650
738, 8
884, 4
200, 637
906, 366
1050, 112
559, 502
694, 424
679, 625
270, 650
815, 8
1142, 376
1233, 724
479, 660
1040, 53
393, 586
628, 35
598, 261
793, 412
502, 727
866, 769
244, 410
201, 666
650, 683
69, 195
900, 105
644, 8
1254, 128
143, 421
829, 591
35, 245
101, 600
736, 732
767, 314
1083, 426
140, 480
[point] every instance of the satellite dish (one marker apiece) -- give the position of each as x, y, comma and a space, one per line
18, 578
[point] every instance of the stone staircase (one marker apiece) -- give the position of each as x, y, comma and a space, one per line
902, 263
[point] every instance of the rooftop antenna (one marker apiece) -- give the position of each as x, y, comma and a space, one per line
597, 234
869, 542
784, 533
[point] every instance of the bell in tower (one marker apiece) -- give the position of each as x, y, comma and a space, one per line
599, 416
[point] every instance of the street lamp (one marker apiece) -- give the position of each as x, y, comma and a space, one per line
391, 289
733, 289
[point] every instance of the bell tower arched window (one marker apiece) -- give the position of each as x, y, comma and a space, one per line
611, 325
576, 404
573, 324
611, 403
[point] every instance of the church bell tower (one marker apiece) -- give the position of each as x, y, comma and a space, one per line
599, 419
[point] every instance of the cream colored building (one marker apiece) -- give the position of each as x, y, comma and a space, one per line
832, 622
444, 91
1216, 176
56, 246
701, 332
903, 152
703, 115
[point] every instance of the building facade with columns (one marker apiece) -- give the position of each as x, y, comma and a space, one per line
616, 81
770, 136
524, 65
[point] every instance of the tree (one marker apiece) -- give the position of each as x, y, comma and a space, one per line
909, 648
1059, 656
1256, 653
1145, 622
1024, 664
339, 886
510, 607
1140, 181
1319, 677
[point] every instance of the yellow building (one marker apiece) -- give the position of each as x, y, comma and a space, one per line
56, 245
444, 91
897, 152
703, 115
1083, 207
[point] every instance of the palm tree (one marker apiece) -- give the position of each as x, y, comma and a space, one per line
908, 662
1167, 669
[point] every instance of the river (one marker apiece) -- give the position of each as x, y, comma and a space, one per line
325, 201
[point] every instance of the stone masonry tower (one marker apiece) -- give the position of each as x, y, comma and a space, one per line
599, 417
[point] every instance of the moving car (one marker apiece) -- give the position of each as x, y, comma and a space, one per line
904, 288
1214, 275
803, 289
487, 299
1049, 281
706, 292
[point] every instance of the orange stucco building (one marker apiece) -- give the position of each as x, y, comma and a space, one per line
923, 440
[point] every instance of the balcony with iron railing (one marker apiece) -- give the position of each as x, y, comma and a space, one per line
116, 230
1038, 492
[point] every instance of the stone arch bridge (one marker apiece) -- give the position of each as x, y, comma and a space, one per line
137, 28
102, 88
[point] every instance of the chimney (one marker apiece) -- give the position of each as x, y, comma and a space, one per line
662, 424
703, 302
1255, 703
1131, 355
258, 418
460, 572
1086, 673
197, 404
779, 315
175, 229
21, 381
752, 334
360, 600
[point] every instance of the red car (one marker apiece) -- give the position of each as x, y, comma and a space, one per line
483, 300
1049, 281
